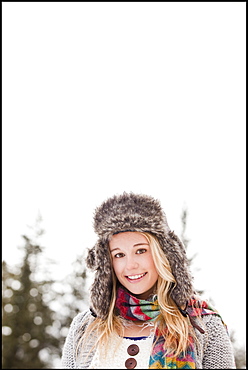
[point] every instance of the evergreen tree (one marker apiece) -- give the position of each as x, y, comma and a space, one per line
27, 320
71, 297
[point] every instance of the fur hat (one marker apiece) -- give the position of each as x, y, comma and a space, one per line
134, 212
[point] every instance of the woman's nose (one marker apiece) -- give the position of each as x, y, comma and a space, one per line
131, 264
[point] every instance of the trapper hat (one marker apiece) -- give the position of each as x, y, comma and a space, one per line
134, 212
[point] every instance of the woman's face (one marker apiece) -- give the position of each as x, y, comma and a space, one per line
133, 263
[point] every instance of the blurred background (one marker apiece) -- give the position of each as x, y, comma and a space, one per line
101, 98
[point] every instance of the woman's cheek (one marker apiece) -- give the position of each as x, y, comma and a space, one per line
116, 265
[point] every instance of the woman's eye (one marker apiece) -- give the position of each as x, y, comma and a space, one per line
119, 255
139, 251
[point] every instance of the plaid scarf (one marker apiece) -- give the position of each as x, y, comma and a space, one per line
132, 308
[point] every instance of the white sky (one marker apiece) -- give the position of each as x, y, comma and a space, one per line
101, 98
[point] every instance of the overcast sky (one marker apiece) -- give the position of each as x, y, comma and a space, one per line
101, 98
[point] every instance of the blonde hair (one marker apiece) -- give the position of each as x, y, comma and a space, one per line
175, 328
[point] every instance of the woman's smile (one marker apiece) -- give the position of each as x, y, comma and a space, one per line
136, 278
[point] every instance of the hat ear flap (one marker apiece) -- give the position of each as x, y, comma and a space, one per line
101, 289
174, 237
91, 258
176, 254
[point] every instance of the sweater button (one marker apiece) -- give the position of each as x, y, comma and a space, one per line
133, 349
130, 363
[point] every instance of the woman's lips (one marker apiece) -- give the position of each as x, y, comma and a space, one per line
135, 278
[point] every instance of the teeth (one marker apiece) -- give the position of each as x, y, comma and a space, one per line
133, 277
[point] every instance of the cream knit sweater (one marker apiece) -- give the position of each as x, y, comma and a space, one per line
213, 352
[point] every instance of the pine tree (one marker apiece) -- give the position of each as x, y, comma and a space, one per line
71, 296
27, 320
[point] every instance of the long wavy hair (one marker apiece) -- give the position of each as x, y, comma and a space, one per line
175, 328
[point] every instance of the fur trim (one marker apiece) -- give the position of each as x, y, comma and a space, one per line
134, 212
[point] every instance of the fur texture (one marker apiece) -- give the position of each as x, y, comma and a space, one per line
134, 212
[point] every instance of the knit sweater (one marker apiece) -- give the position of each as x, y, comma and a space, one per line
117, 353
214, 350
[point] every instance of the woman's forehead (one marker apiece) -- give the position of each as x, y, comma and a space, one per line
128, 237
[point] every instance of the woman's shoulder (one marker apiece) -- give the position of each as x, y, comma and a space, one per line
213, 320
201, 311
82, 315
81, 319
214, 328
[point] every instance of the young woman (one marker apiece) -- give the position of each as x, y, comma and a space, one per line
144, 311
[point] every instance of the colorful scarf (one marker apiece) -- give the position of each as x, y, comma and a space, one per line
132, 308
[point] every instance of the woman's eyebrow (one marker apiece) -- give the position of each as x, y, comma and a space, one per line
135, 245
114, 249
